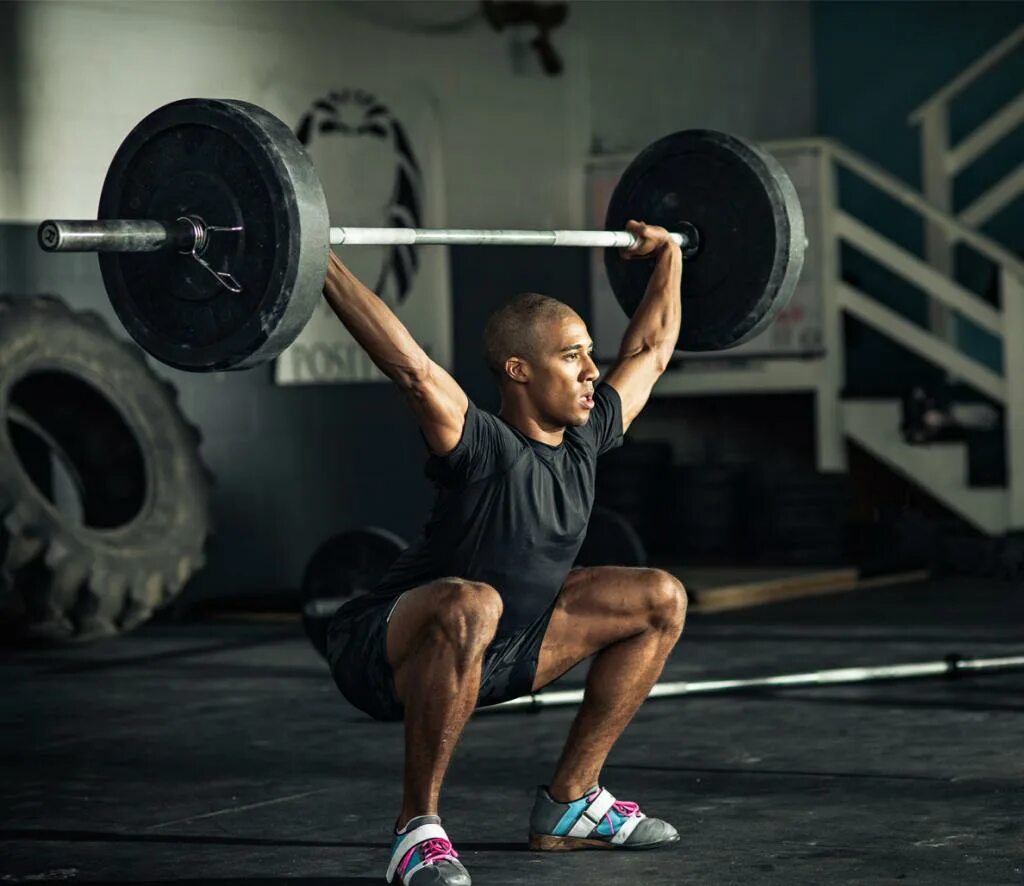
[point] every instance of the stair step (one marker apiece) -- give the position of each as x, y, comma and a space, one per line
945, 461
939, 468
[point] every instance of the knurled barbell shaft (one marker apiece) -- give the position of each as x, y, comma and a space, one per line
63, 235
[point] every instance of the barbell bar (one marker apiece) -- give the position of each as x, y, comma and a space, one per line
950, 666
473, 237
141, 235
213, 234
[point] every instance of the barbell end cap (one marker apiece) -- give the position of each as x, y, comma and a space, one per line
689, 241
49, 235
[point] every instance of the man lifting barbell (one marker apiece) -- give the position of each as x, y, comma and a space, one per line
213, 237
483, 607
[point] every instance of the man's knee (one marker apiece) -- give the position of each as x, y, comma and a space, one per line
466, 613
666, 600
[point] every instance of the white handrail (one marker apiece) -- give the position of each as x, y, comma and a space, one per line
921, 341
906, 195
991, 131
920, 273
969, 74
994, 199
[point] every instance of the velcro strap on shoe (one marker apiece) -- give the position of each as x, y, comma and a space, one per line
628, 826
417, 835
591, 816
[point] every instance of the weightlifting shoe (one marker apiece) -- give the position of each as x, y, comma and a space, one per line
595, 821
422, 855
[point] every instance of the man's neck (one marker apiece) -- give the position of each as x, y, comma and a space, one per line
529, 423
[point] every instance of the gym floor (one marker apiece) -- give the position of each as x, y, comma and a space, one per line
221, 752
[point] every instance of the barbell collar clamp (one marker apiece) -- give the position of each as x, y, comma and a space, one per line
200, 240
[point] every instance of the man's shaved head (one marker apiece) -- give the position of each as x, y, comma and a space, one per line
516, 328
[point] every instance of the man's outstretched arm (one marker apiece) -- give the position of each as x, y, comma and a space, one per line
650, 338
436, 398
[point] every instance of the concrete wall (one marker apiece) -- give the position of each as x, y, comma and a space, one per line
296, 464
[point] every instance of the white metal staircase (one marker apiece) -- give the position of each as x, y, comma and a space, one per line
938, 468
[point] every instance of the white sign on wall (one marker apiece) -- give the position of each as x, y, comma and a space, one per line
795, 331
380, 162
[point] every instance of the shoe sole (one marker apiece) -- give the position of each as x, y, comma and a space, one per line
549, 843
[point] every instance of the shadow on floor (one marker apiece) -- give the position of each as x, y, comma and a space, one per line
106, 664
248, 881
783, 773
45, 835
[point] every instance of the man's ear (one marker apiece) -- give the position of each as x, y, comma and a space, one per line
517, 370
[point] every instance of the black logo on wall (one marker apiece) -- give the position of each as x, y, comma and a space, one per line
355, 113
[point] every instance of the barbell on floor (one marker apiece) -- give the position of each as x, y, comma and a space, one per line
950, 666
213, 234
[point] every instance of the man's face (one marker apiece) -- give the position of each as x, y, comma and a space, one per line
563, 372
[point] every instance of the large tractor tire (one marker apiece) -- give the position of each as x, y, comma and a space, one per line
104, 502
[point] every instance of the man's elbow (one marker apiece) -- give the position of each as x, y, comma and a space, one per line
656, 352
663, 345
411, 375
666, 353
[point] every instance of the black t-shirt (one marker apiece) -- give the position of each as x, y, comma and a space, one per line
510, 511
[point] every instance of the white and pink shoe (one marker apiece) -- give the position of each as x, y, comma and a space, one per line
422, 855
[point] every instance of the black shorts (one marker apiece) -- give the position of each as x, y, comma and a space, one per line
357, 653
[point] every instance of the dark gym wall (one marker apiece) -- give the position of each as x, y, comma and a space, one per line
874, 63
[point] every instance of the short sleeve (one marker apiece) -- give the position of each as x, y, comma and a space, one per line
487, 447
603, 430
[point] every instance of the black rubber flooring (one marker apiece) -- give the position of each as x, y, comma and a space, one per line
221, 753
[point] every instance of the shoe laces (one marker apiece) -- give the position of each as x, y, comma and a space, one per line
625, 808
438, 850
433, 852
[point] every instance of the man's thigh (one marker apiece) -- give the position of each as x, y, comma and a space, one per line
370, 639
597, 606
405, 625
425, 605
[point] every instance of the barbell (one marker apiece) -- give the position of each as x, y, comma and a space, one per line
952, 666
213, 234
